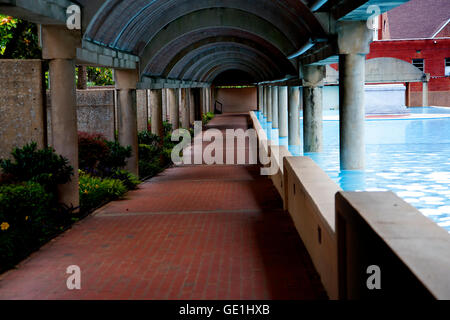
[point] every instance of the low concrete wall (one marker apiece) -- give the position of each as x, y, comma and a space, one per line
310, 201
95, 110
380, 229
22, 116
347, 232
308, 195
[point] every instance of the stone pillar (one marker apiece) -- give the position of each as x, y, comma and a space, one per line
354, 40
269, 104
294, 116
59, 47
275, 107
425, 102
164, 104
260, 98
174, 108
313, 108
283, 111
126, 81
184, 104
191, 106
156, 103
142, 109
265, 99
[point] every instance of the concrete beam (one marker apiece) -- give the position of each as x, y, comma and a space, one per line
47, 12
148, 82
92, 54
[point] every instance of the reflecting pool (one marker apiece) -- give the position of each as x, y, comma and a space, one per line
411, 157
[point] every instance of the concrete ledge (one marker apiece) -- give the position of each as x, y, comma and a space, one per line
379, 228
277, 155
309, 194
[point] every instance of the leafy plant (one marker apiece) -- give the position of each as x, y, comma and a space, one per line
149, 168
206, 117
18, 39
98, 76
148, 138
42, 166
27, 218
92, 148
117, 157
129, 180
95, 191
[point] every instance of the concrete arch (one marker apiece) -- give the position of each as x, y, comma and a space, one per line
388, 70
194, 55
217, 70
199, 73
228, 52
139, 20
176, 50
216, 18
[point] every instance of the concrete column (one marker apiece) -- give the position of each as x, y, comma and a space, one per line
352, 111
126, 81
260, 98
164, 104
275, 107
142, 109
313, 108
269, 104
174, 108
283, 111
265, 101
184, 103
354, 40
294, 116
191, 106
156, 103
425, 102
59, 47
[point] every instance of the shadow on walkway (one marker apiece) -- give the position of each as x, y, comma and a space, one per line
192, 232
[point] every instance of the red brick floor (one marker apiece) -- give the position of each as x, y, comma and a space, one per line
193, 232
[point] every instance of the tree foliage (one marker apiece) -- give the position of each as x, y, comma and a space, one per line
18, 39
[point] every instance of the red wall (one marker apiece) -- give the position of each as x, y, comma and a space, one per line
434, 51
237, 99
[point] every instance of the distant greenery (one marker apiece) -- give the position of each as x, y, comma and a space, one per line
99, 76
18, 39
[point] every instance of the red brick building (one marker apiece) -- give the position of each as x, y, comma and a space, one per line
419, 32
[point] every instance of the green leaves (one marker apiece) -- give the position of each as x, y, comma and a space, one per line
42, 166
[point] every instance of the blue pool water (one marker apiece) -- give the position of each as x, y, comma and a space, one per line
411, 157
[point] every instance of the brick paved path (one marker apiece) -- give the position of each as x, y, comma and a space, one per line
193, 232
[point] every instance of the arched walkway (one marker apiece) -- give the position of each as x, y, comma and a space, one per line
193, 232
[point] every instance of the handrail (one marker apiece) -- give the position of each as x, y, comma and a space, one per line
217, 111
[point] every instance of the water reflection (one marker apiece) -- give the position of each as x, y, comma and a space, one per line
409, 157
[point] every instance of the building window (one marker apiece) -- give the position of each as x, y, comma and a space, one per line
419, 63
447, 67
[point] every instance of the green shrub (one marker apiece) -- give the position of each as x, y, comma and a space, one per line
167, 127
149, 152
95, 191
206, 117
129, 180
148, 138
100, 157
149, 169
92, 148
42, 166
27, 218
116, 159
